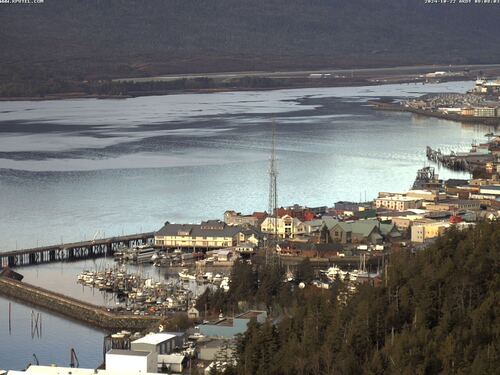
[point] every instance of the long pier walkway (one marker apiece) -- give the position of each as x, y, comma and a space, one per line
72, 308
73, 251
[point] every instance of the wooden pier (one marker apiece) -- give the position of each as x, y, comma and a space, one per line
72, 251
74, 309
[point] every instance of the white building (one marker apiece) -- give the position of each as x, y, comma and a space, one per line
398, 202
287, 226
160, 343
131, 361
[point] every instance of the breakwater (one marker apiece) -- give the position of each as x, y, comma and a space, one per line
72, 308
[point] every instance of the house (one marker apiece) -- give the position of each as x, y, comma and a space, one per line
389, 231
229, 327
193, 313
211, 234
286, 226
360, 231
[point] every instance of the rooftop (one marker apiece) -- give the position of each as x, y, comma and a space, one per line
135, 353
154, 339
250, 314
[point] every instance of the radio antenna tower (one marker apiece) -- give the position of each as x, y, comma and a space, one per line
273, 197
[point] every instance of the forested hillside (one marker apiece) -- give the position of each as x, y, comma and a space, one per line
87, 39
435, 312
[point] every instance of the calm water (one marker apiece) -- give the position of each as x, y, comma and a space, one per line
71, 168
57, 337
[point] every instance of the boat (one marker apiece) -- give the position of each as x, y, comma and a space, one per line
335, 272
144, 254
185, 276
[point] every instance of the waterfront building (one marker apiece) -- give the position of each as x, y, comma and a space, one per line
213, 234
485, 112
286, 226
491, 190
398, 202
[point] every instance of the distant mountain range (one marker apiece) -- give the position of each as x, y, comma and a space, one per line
82, 39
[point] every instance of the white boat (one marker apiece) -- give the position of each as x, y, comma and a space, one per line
333, 272
185, 276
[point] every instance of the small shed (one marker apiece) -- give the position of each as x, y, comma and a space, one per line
193, 313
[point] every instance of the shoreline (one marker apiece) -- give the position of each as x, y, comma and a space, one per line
393, 107
71, 96
265, 81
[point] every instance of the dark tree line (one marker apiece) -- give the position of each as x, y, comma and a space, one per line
436, 312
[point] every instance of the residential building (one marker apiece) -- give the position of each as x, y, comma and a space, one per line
286, 226
211, 234
361, 231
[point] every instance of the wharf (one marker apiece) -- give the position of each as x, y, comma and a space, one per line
72, 308
73, 251
396, 107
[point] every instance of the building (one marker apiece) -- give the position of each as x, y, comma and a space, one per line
362, 231
229, 327
159, 343
209, 350
131, 361
211, 234
423, 231
398, 202
454, 205
405, 222
287, 226
236, 218
485, 112
491, 190
173, 363
193, 313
